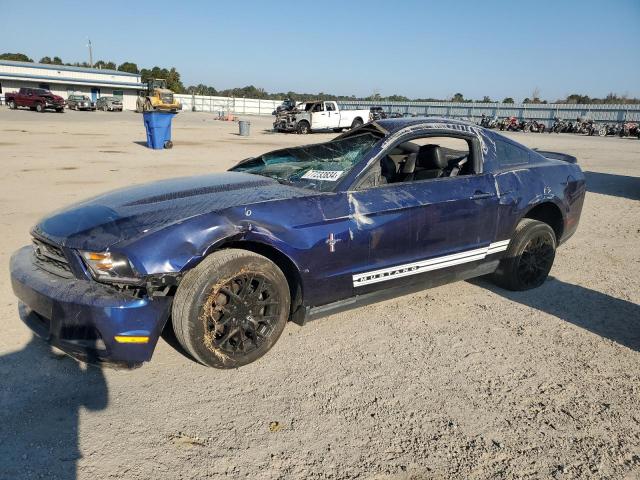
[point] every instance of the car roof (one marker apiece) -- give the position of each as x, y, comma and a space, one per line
392, 125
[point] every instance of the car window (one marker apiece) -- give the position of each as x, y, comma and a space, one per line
331, 107
319, 167
508, 154
422, 158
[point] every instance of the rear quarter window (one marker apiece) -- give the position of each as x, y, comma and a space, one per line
509, 155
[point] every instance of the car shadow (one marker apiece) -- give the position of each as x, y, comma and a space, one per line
41, 395
615, 185
607, 316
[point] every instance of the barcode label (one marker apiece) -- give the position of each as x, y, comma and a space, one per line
328, 175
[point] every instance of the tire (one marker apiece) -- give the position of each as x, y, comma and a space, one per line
337, 130
60, 110
303, 127
528, 258
40, 108
105, 109
356, 123
223, 288
148, 107
12, 105
168, 144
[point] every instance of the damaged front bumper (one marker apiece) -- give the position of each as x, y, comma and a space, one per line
285, 123
86, 319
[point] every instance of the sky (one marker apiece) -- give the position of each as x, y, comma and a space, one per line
414, 48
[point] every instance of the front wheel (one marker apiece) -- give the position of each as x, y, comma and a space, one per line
231, 309
304, 127
528, 258
12, 105
39, 108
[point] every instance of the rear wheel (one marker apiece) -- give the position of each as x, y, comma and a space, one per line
529, 258
231, 309
356, 123
148, 107
105, 108
12, 105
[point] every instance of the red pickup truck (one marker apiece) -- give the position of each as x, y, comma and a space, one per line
37, 99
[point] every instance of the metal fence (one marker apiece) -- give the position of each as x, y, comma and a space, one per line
225, 105
544, 113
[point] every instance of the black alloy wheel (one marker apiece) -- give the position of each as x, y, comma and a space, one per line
231, 309
529, 257
535, 260
241, 315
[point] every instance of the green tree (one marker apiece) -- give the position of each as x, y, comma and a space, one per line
104, 65
486, 99
508, 100
17, 57
458, 97
128, 67
171, 76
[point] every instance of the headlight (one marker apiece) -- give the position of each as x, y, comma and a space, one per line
110, 267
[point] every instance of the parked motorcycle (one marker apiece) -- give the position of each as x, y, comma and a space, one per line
532, 126
510, 124
629, 129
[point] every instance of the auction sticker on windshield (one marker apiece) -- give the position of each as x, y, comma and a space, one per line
328, 175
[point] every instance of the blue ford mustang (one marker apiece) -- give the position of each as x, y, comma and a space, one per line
382, 210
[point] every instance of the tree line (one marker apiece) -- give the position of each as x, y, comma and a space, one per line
174, 82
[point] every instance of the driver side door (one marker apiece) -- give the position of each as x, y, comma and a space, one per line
434, 230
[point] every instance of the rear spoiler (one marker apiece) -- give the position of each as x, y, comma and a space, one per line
557, 156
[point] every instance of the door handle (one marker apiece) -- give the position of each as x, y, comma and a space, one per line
478, 194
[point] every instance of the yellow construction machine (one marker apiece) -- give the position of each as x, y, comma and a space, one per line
157, 97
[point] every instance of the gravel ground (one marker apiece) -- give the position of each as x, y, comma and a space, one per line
463, 381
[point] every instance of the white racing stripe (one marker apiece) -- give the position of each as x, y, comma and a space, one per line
422, 266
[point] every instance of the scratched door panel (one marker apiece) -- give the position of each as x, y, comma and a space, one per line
409, 222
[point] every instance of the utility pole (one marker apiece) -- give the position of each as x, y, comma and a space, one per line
90, 53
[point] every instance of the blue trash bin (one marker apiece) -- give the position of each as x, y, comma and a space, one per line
158, 126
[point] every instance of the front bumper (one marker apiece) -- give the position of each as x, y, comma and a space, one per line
83, 317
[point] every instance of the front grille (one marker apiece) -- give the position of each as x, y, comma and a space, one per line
51, 258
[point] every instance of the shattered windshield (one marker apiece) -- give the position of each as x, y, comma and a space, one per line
319, 167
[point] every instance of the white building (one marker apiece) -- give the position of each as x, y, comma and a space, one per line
63, 80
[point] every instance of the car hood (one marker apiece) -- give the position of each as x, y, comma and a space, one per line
130, 213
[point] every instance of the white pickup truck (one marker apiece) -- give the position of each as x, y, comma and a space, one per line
319, 115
